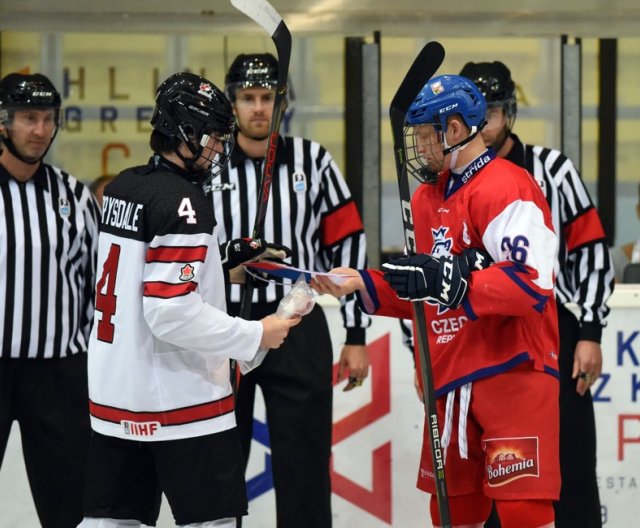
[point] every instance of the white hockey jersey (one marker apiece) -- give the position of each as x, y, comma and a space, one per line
161, 340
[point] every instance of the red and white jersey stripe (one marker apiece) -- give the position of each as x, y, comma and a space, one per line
161, 340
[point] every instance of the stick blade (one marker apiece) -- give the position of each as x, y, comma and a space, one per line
424, 66
262, 13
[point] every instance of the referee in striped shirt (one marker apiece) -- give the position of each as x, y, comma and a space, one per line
48, 236
585, 276
310, 211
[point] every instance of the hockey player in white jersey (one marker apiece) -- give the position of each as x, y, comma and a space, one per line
161, 405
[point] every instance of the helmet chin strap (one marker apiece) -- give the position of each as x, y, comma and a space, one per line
461, 145
6, 140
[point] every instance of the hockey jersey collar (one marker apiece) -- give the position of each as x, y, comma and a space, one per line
159, 162
40, 177
456, 181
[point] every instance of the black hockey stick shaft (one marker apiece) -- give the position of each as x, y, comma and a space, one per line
263, 13
423, 68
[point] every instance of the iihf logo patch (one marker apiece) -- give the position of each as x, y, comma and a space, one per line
64, 207
187, 272
299, 181
441, 243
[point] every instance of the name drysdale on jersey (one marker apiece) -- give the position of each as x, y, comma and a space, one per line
511, 459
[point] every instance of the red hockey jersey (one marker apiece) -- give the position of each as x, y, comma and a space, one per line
509, 314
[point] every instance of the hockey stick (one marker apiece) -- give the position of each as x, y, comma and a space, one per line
263, 13
424, 66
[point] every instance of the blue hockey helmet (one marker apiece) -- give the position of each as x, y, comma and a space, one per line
442, 97
447, 95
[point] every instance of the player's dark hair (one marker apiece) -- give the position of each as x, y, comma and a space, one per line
161, 143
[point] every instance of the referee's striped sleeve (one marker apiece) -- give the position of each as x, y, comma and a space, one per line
343, 242
586, 275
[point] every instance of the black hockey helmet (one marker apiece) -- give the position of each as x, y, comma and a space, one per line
495, 82
192, 109
19, 91
246, 71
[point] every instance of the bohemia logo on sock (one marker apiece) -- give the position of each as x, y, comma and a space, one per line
511, 459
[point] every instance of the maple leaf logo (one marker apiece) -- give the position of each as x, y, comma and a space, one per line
187, 272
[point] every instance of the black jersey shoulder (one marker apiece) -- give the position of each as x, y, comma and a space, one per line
144, 202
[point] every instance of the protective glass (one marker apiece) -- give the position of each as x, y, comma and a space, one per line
500, 115
246, 99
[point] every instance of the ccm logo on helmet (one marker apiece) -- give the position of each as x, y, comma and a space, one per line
257, 71
447, 108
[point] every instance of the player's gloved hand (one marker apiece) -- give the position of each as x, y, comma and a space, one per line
239, 250
421, 277
477, 259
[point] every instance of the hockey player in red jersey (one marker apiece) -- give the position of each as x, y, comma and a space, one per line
493, 336
161, 404
584, 277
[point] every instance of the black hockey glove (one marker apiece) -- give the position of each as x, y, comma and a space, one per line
477, 259
240, 250
422, 277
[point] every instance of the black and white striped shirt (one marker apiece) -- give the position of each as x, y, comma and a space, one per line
48, 243
310, 211
584, 272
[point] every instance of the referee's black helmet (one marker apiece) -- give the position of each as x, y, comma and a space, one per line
23, 91
494, 80
251, 70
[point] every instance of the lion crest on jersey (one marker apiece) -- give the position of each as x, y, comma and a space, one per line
441, 242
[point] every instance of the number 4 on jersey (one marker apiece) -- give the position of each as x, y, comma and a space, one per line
106, 302
187, 210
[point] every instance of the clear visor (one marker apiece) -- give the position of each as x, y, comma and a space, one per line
233, 88
500, 115
43, 120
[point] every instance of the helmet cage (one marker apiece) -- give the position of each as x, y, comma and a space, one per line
416, 144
